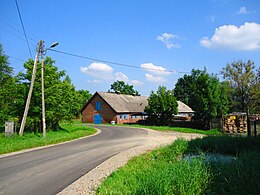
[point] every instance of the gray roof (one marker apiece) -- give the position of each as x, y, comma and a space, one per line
122, 103
183, 108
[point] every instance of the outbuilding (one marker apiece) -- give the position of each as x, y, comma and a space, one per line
107, 107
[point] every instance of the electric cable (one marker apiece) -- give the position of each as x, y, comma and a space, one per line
115, 63
23, 27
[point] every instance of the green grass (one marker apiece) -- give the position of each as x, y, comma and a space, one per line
179, 129
68, 131
163, 171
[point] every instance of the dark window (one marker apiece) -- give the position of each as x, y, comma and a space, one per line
125, 116
98, 106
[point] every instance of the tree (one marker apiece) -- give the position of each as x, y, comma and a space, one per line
60, 101
204, 94
243, 78
123, 88
7, 89
162, 105
82, 96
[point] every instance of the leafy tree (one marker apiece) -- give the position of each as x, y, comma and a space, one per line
255, 94
60, 101
162, 105
123, 88
7, 88
245, 82
204, 94
82, 97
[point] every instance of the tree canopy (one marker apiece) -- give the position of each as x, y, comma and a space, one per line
162, 105
204, 94
123, 88
7, 88
244, 79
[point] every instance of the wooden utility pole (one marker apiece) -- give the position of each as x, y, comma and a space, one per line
43, 100
31, 89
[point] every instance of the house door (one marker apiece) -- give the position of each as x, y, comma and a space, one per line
97, 118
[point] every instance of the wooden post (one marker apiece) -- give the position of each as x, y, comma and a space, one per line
31, 89
43, 99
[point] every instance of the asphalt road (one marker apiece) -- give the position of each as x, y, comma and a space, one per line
49, 170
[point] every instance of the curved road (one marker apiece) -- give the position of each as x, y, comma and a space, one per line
49, 170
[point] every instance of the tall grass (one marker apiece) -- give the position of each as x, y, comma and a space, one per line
159, 172
163, 171
68, 131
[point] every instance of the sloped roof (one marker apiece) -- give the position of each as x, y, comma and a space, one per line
122, 103
183, 108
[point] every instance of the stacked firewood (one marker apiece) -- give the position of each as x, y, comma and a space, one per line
235, 124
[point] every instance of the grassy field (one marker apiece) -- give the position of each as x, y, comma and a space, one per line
68, 131
164, 171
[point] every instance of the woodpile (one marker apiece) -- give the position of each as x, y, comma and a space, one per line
235, 123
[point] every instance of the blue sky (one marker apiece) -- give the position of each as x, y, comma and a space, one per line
161, 35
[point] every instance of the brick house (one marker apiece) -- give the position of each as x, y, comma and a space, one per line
104, 107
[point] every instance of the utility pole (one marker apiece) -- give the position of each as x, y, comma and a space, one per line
43, 99
31, 88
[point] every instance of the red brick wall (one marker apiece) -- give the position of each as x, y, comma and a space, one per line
108, 114
128, 119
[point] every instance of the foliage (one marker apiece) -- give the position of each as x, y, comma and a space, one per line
162, 105
62, 102
82, 97
204, 94
243, 79
7, 89
68, 131
159, 172
164, 171
123, 88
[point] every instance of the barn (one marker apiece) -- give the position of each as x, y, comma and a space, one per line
104, 107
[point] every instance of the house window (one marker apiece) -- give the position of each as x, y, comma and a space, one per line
98, 106
121, 116
125, 116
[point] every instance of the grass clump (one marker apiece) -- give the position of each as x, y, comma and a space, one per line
164, 171
159, 172
68, 131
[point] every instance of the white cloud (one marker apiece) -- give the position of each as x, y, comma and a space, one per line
105, 72
159, 70
136, 82
121, 77
244, 37
98, 70
242, 10
155, 79
167, 39
94, 81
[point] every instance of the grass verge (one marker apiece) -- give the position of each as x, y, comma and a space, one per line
163, 171
178, 129
68, 131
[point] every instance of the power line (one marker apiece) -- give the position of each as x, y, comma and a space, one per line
23, 27
115, 63
16, 58
16, 29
